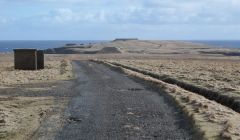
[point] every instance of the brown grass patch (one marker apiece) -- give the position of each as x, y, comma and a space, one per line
54, 70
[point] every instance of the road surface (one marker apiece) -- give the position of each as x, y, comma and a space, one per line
109, 105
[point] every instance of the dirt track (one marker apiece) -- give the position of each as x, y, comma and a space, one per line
108, 105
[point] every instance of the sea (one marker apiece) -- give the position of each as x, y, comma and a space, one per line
8, 46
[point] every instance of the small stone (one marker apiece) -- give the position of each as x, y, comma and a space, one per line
130, 113
127, 126
136, 128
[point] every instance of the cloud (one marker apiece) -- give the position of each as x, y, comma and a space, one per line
149, 12
185, 12
63, 16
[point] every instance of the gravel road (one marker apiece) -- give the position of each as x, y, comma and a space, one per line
108, 105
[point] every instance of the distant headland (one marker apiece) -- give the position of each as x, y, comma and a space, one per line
125, 39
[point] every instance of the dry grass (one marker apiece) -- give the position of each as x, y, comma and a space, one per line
54, 70
20, 116
221, 76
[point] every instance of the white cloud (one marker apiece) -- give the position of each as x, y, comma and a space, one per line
183, 12
149, 12
64, 15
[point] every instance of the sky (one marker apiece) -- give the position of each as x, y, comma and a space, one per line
109, 19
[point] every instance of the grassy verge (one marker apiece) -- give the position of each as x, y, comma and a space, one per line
228, 100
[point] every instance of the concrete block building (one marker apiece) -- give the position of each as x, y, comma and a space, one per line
28, 59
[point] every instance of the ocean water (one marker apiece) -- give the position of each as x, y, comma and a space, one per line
220, 43
8, 46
